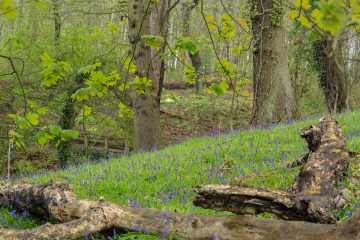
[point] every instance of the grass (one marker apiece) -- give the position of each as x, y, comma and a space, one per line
164, 179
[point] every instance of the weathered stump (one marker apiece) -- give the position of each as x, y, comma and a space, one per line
311, 196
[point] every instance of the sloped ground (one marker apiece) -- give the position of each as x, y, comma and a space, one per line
165, 179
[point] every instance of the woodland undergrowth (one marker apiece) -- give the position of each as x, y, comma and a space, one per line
165, 178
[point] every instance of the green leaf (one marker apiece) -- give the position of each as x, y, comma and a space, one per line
57, 141
225, 68
18, 141
89, 68
32, 119
153, 41
218, 89
98, 77
49, 81
21, 122
6, 2
70, 133
305, 4
162, 57
87, 111
48, 62
129, 65
10, 11
190, 46
185, 43
304, 21
32, 104
42, 136
55, 130
331, 15
41, 4
42, 111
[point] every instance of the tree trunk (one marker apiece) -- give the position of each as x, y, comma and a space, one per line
68, 114
273, 94
57, 21
331, 79
147, 128
353, 75
158, 27
195, 58
81, 216
311, 196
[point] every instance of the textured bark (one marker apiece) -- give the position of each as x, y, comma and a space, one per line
331, 79
273, 94
147, 128
81, 216
311, 197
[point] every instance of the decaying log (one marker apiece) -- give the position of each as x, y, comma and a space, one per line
311, 196
81, 216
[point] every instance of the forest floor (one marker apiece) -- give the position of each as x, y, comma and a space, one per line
184, 115
165, 179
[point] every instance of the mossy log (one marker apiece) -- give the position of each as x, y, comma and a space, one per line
78, 217
311, 197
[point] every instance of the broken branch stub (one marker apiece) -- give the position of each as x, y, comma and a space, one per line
82, 216
311, 196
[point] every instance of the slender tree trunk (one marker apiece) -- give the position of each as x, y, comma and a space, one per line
147, 128
353, 74
159, 19
273, 94
57, 21
195, 58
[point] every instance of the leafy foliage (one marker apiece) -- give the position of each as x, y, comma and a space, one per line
218, 89
184, 44
153, 41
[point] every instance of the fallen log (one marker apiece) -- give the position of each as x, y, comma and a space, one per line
311, 196
80, 216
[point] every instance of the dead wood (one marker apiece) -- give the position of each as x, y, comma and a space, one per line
80, 216
311, 196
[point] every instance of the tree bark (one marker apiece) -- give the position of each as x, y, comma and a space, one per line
158, 28
273, 94
81, 216
57, 21
311, 197
68, 114
353, 76
331, 79
147, 128
195, 58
